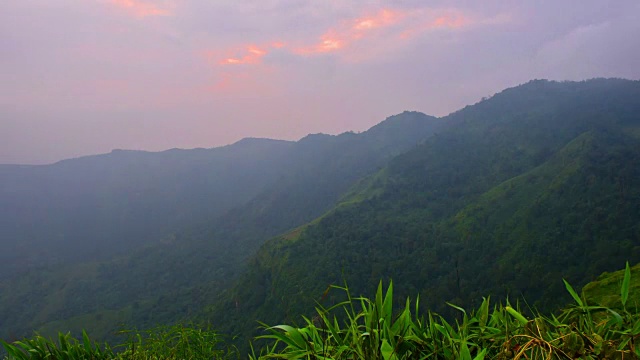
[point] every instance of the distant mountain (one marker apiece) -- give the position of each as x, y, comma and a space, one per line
181, 266
97, 206
537, 183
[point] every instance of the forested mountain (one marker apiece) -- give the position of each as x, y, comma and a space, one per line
537, 183
181, 269
504, 197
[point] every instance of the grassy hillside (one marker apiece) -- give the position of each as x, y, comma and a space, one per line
604, 290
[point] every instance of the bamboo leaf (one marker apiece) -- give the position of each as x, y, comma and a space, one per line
298, 337
387, 351
457, 308
483, 313
465, 354
481, 355
616, 316
573, 293
86, 341
387, 305
13, 350
523, 320
624, 290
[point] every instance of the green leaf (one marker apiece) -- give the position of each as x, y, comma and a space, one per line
465, 354
387, 305
387, 351
13, 351
86, 341
481, 355
574, 295
624, 290
523, 320
483, 313
291, 336
457, 308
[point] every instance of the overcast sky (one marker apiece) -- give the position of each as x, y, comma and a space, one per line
81, 77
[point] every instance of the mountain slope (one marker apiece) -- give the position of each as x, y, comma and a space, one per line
184, 269
98, 206
537, 183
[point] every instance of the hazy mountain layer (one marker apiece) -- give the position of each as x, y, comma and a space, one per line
182, 268
98, 206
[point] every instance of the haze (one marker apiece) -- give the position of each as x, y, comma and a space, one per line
82, 77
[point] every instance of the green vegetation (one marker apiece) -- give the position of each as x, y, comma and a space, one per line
538, 183
370, 329
503, 198
175, 342
603, 292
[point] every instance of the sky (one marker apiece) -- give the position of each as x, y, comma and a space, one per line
80, 77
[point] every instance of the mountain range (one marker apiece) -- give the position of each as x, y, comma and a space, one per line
504, 198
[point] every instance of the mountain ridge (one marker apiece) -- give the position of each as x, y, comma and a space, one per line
414, 210
361, 207
308, 176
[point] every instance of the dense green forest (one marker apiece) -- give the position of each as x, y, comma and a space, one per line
503, 198
538, 183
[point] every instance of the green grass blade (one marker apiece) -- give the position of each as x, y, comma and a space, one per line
483, 313
573, 293
13, 351
86, 341
387, 351
481, 355
521, 319
624, 290
465, 354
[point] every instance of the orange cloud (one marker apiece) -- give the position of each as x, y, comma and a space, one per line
384, 25
251, 55
383, 18
356, 39
139, 8
329, 42
351, 31
453, 20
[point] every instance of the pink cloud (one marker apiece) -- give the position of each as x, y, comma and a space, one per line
380, 26
354, 40
352, 30
383, 18
450, 20
246, 54
140, 9
329, 42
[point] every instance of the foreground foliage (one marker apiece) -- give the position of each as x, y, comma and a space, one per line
363, 328
368, 330
175, 342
